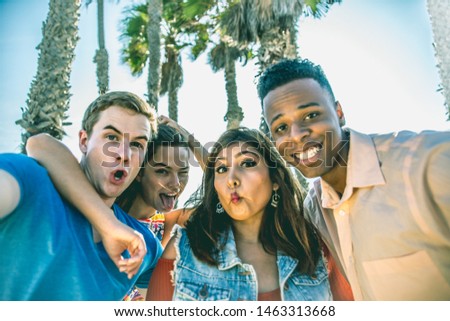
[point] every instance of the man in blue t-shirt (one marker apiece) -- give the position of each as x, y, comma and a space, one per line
82, 246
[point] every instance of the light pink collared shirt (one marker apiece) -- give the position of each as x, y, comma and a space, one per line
390, 230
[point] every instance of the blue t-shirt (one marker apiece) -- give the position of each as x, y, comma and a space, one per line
47, 251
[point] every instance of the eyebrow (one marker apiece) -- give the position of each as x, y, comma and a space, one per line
313, 103
167, 165
111, 127
240, 154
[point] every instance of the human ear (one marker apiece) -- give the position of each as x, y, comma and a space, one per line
340, 114
82, 141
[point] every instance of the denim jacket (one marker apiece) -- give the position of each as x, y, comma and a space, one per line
234, 280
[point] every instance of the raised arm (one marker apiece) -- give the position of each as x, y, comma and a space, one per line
116, 236
200, 152
178, 216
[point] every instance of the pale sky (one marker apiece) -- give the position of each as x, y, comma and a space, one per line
378, 57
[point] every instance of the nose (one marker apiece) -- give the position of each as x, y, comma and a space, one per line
298, 133
174, 183
233, 179
124, 153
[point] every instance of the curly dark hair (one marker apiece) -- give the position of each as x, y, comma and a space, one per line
283, 228
167, 136
289, 70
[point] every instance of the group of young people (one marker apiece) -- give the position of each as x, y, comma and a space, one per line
374, 226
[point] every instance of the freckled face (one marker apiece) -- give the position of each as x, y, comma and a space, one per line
305, 124
242, 182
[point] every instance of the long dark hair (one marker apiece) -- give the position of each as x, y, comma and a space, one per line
283, 228
167, 136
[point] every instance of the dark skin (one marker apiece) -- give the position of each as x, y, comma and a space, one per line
306, 125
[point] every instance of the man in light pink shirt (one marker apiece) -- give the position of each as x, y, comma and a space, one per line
381, 203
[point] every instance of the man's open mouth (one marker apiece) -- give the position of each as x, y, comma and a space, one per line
118, 176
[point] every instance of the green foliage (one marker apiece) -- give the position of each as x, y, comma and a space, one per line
134, 36
318, 8
196, 9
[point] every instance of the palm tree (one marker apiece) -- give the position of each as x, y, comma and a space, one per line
154, 12
172, 75
223, 54
101, 54
270, 24
141, 36
176, 31
273, 25
48, 98
439, 12
223, 57
134, 35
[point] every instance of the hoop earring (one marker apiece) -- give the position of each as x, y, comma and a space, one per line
275, 199
219, 208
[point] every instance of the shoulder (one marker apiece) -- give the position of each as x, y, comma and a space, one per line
26, 170
412, 141
172, 250
19, 164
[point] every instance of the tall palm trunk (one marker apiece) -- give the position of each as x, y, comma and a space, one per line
234, 114
154, 44
173, 84
276, 44
48, 98
173, 103
439, 12
171, 76
101, 55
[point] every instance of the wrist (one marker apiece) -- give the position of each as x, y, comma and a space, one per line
105, 223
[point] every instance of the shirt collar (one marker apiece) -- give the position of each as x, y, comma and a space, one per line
363, 170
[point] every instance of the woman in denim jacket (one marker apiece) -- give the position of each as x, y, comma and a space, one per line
247, 237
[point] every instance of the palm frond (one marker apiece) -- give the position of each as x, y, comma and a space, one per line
318, 8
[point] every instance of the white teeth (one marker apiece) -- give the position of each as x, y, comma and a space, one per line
311, 152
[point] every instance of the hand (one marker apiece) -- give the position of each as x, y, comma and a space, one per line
164, 120
119, 238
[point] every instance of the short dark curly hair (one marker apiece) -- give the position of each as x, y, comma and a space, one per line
289, 70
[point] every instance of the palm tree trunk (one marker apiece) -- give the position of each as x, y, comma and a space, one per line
234, 113
154, 43
101, 55
173, 102
439, 12
48, 98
